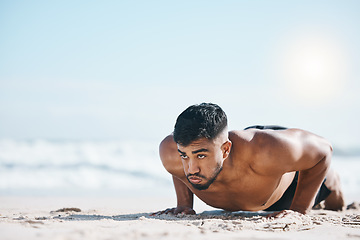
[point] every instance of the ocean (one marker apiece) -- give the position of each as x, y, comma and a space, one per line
107, 168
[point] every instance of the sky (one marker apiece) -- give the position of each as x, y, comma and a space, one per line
124, 70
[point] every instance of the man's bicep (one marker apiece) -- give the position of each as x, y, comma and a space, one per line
170, 157
315, 149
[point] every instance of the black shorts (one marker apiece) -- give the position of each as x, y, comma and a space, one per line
285, 201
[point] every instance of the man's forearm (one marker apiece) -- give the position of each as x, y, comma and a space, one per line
309, 183
185, 198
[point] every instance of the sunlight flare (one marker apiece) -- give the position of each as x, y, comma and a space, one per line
314, 69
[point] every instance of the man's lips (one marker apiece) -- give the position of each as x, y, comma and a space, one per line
195, 180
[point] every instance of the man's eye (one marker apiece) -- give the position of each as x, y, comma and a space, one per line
201, 156
184, 157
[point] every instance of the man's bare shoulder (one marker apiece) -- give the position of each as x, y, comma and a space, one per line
287, 150
266, 137
292, 139
240, 135
170, 157
269, 151
256, 138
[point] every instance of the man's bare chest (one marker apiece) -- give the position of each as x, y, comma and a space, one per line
250, 192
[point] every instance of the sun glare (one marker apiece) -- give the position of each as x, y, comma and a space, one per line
313, 69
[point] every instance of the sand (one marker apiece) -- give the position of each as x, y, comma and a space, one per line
129, 218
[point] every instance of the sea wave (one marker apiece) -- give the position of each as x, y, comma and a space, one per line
68, 166
110, 167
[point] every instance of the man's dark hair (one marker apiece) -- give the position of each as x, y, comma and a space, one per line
206, 120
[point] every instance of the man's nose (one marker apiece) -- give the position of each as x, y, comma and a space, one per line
193, 167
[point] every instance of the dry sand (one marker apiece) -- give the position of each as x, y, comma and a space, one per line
129, 218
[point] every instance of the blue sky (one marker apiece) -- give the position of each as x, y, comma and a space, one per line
92, 70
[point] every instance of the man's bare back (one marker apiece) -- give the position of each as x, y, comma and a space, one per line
248, 169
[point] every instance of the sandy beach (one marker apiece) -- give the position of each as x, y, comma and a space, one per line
129, 218
116, 197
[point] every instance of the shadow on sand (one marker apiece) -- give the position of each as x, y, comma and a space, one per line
216, 214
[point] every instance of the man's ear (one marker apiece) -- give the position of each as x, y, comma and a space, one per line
226, 147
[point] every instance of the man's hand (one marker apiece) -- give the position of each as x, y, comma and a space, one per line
175, 211
283, 213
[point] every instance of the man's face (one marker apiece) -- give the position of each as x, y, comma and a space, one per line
202, 161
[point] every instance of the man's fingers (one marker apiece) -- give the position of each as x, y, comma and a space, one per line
282, 214
169, 210
175, 211
187, 211
155, 213
166, 211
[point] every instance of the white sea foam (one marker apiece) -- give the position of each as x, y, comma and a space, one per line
52, 167
83, 167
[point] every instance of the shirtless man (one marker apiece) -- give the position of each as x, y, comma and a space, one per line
259, 168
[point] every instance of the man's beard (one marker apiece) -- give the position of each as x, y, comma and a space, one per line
209, 180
